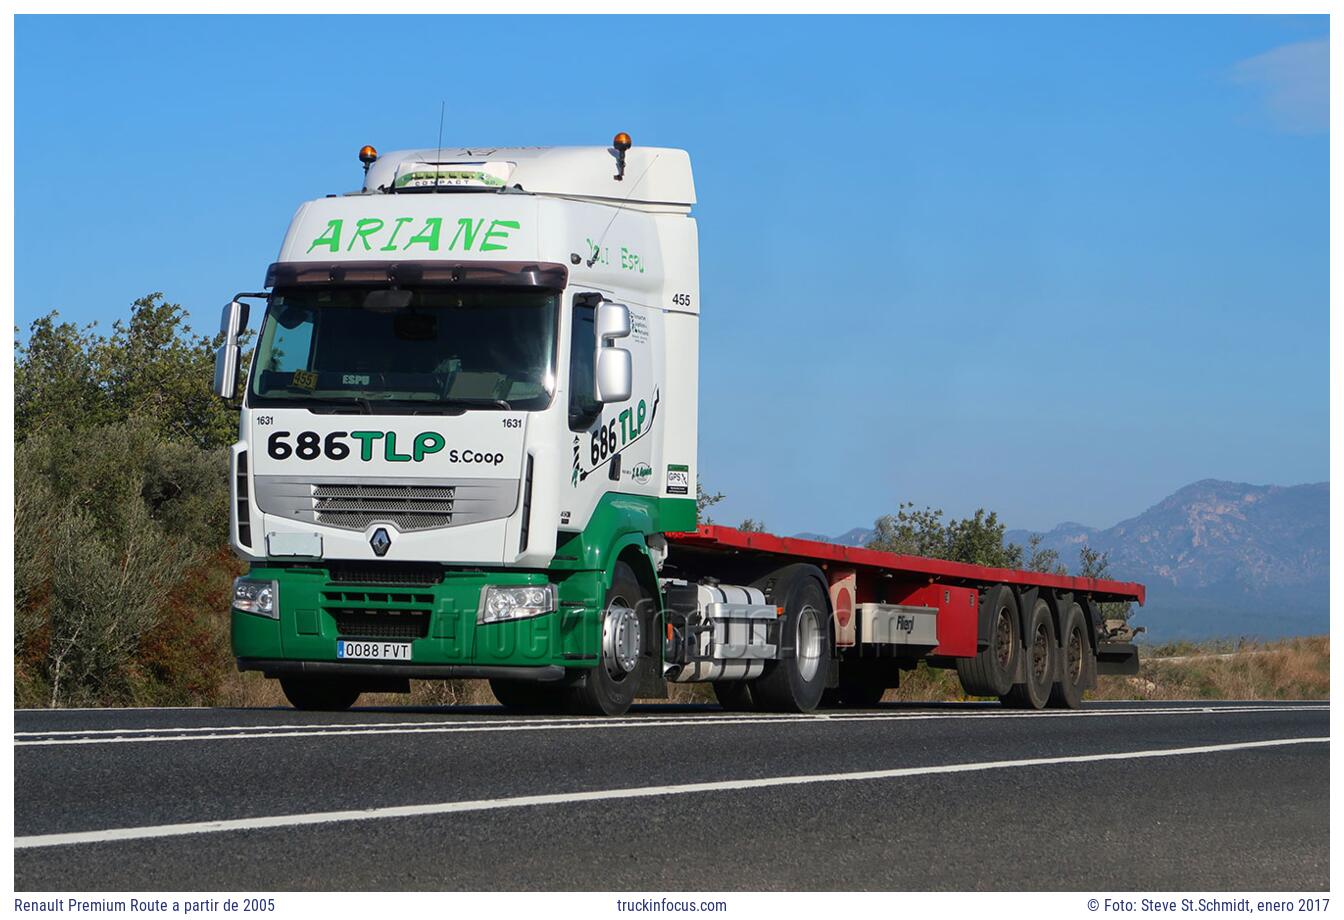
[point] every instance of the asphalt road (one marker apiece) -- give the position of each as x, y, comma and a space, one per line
1119, 797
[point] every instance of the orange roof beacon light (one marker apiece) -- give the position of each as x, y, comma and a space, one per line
367, 155
622, 143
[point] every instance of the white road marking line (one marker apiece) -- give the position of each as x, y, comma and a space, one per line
77, 709
599, 795
50, 739
961, 711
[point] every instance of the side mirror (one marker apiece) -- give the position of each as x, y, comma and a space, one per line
233, 320
615, 374
612, 320
229, 355
614, 367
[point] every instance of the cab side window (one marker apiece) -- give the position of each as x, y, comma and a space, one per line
583, 405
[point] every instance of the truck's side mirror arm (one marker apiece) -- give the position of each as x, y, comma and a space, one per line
614, 377
228, 356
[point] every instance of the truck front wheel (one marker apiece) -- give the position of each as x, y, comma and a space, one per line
609, 689
320, 694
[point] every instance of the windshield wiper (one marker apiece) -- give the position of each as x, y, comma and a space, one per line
478, 401
360, 401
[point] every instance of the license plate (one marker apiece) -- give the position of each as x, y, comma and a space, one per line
373, 651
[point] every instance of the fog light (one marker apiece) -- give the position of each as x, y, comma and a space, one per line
259, 597
515, 602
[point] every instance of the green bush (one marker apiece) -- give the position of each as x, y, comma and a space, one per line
112, 519
121, 570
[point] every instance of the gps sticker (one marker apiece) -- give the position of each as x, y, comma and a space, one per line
678, 479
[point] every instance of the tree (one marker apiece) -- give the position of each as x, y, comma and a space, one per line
704, 501
911, 532
1092, 563
750, 525
1096, 564
977, 539
121, 569
1043, 560
151, 367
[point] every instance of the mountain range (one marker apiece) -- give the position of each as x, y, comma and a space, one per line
1220, 559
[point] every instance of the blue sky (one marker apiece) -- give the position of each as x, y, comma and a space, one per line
1057, 267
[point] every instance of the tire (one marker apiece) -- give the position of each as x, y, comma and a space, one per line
525, 695
1078, 662
609, 689
734, 695
1041, 651
796, 682
992, 671
319, 694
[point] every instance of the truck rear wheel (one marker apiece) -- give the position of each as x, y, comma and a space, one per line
1041, 652
609, 689
991, 671
1077, 662
796, 682
319, 694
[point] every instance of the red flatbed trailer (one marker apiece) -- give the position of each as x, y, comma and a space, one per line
961, 605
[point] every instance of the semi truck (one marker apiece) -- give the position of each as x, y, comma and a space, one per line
468, 449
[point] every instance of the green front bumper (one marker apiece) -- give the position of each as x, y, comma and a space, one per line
438, 619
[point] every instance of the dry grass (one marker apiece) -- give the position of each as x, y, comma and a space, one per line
1296, 669
1289, 669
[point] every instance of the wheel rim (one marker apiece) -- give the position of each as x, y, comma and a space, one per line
1040, 654
1075, 655
808, 646
620, 639
1003, 638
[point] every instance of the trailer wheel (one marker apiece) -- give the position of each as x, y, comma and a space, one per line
795, 683
1077, 662
319, 694
734, 695
524, 695
1041, 652
610, 688
991, 671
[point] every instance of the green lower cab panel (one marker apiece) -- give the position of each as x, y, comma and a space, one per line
438, 620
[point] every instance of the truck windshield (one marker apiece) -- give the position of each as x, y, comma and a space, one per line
425, 348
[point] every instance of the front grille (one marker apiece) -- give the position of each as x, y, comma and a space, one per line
407, 505
379, 614
356, 506
391, 574
356, 624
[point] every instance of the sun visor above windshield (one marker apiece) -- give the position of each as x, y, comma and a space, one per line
549, 275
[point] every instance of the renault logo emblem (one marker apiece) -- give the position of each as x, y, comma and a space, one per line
380, 541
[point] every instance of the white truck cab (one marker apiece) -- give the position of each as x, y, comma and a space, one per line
484, 356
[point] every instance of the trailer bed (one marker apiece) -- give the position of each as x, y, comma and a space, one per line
715, 538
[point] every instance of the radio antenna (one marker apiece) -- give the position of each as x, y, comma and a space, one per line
619, 208
438, 154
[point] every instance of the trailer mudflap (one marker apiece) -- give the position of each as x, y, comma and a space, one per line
1120, 658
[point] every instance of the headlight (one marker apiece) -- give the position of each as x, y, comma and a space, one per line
259, 597
515, 602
